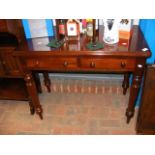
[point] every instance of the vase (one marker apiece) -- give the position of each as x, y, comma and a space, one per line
111, 31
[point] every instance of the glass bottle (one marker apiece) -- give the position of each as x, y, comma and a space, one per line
62, 30
89, 28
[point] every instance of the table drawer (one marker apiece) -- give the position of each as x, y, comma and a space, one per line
52, 63
108, 63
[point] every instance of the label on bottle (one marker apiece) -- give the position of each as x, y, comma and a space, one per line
62, 29
90, 29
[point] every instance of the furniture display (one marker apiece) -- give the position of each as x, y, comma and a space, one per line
125, 57
10, 36
12, 84
146, 116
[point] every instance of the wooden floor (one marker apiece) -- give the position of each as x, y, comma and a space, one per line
85, 107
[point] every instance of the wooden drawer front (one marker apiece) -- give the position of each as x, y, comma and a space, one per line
107, 63
52, 63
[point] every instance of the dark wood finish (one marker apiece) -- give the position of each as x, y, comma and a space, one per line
13, 89
12, 84
136, 82
125, 84
38, 82
47, 81
11, 77
146, 116
31, 88
8, 63
117, 58
123, 64
94, 32
12, 26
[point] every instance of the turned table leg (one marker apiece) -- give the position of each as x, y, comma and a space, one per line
38, 83
47, 81
32, 91
136, 82
125, 84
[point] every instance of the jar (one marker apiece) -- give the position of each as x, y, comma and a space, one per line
90, 29
111, 31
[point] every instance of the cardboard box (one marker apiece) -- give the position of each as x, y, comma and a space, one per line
125, 28
35, 28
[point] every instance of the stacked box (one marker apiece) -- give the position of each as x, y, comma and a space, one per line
125, 28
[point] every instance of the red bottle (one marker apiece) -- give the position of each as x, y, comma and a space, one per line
62, 27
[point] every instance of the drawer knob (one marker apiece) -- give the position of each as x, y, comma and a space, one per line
36, 62
92, 64
123, 64
65, 64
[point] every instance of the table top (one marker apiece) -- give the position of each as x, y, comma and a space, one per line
136, 45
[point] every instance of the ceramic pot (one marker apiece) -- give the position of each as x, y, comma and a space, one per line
111, 31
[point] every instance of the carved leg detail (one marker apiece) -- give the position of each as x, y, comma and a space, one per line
125, 84
47, 81
32, 91
136, 82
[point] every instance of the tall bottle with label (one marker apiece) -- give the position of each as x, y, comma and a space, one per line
62, 29
89, 28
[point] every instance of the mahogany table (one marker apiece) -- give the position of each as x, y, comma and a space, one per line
125, 57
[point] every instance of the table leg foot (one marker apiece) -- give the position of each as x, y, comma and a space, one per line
32, 109
39, 111
129, 115
124, 91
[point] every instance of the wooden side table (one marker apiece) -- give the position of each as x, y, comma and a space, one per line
125, 57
